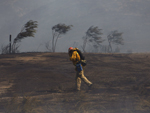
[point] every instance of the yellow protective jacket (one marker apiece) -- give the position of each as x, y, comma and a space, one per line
74, 57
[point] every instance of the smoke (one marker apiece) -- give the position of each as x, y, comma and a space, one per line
130, 17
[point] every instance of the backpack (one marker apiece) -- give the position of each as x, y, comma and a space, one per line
81, 55
83, 61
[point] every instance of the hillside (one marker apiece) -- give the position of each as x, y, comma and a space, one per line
44, 83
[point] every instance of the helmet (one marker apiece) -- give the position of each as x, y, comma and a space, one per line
70, 48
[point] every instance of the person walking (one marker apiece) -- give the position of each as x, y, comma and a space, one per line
77, 62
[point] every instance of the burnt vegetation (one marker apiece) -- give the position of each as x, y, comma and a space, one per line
45, 82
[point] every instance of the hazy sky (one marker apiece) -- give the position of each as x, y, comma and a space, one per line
132, 17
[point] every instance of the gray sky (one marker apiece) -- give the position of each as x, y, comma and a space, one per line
131, 17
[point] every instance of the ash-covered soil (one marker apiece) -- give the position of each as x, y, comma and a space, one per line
45, 83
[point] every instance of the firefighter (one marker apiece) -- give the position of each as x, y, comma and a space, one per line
76, 59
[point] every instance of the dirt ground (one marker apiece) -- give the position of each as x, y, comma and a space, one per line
45, 83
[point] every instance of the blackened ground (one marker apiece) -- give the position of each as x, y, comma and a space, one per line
45, 82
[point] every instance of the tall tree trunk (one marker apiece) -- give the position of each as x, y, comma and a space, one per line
10, 44
84, 44
53, 41
56, 42
110, 48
